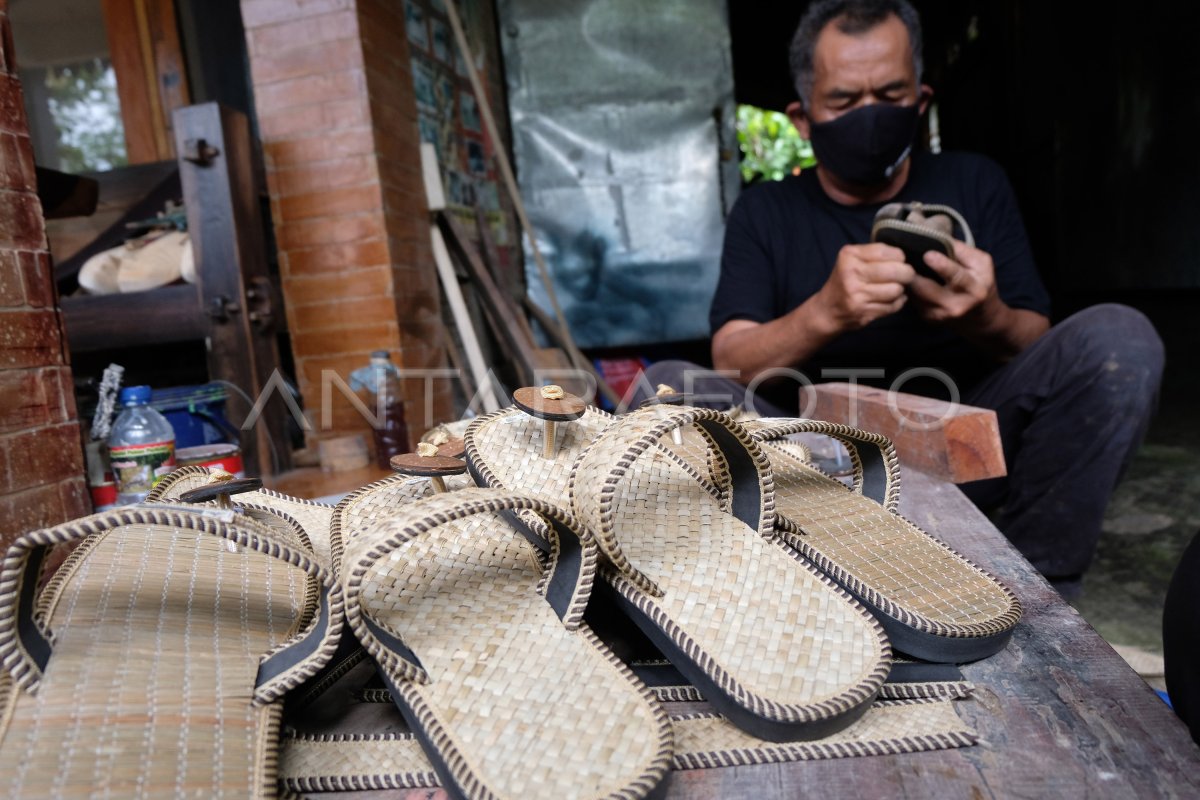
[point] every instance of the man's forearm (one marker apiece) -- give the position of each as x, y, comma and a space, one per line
751, 348
1004, 331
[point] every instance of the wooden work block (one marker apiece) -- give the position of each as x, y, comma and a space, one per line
954, 442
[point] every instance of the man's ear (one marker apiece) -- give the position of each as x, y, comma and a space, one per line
925, 97
795, 112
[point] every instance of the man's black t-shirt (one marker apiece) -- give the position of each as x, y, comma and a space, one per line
782, 239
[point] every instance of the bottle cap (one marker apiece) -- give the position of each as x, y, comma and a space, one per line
380, 354
134, 395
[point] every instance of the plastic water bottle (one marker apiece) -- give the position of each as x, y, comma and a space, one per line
141, 446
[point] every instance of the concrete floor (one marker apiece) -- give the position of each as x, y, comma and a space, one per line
1153, 516
1155, 510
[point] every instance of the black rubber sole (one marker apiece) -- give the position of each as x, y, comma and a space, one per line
435, 757
924, 645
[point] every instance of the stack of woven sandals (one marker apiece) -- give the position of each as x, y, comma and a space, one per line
157, 659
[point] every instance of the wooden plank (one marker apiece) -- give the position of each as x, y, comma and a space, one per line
501, 311
147, 59
128, 194
137, 103
462, 320
478, 382
226, 228
169, 71
161, 316
955, 442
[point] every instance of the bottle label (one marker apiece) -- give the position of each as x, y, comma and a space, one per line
138, 467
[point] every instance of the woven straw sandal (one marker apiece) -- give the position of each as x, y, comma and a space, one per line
364, 509
315, 518
502, 448
488, 659
779, 649
934, 603
775, 646
155, 660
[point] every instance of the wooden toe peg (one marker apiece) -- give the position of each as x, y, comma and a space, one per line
551, 405
427, 462
223, 486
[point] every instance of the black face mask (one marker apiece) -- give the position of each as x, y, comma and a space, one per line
867, 145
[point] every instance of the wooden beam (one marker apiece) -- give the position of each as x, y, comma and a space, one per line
226, 228
100, 322
501, 311
953, 442
143, 42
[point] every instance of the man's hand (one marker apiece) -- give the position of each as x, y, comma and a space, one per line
868, 282
970, 303
969, 291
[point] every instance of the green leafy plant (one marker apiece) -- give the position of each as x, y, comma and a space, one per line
771, 147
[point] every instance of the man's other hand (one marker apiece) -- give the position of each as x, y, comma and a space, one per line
868, 282
969, 290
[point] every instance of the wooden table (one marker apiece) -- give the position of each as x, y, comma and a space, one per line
1059, 714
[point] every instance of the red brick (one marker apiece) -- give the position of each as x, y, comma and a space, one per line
319, 147
12, 109
324, 117
21, 223
282, 123
43, 456
60, 394
30, 510
319, 59
266, 12
337, 258
309, 90
23, 400
329, 230
5, 476
12, 282
30, 339
347, 200
372, 282
346, 340
38, 275
304, 32
16, 163
76, 500
343, 313
313, 369
325, 175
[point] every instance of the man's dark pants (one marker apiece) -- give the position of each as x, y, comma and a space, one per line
1072, 409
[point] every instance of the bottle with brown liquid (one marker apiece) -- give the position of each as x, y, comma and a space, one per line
391, 432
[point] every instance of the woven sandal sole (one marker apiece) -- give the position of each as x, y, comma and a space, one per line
138, 687
490, 664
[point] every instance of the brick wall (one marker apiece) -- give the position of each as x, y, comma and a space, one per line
333, 96
41, 456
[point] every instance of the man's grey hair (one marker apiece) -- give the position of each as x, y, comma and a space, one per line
853, 17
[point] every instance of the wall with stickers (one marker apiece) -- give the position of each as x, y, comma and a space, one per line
449, 118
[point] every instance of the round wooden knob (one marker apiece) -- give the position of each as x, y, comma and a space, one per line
438, 466
554, 409
455, 448
221, 489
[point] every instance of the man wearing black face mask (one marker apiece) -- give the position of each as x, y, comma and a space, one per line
803, 288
